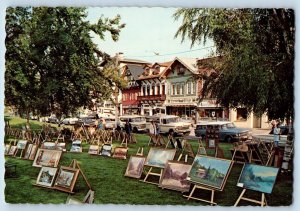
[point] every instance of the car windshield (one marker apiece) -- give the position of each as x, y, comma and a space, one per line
230, 125
138, 119
171, 120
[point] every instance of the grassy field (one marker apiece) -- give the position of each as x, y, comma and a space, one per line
106, 176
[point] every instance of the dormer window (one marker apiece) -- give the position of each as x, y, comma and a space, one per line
180, 70
147, 71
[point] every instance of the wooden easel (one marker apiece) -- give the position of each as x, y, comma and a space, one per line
211, 201
186, 150
152, 173
75, 165
140, 151
262, 202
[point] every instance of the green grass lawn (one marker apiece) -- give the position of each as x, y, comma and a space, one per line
106, 176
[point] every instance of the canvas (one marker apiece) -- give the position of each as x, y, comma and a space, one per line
21, 144
158, 157
210, 171
48, 145
46, 176
28, 150
61, 146
135, 166
66, 179
76, 146
258, 178
106, 150
7, 147
33, 152
47, 157
12, 150
94, 150
175, 176
120, 152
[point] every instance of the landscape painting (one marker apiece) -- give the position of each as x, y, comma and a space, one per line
46, 157
94, 150
46, 176
158, 157
120, 152
135, 166
21, 144
175, 176
210, 171
66, 179
106, 150
258, 178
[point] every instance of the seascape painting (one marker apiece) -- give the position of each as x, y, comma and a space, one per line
158, 157
258, 178
210, 171
175, 176
135, 166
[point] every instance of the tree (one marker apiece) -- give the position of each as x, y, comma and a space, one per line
256, 47
52, 65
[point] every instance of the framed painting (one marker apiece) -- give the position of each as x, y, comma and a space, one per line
66, 179
7, 147
135, 166
210, 171
120, 152
46, 176
48, 145
61, 146
94, 150
21, 144
47, 157
33, 152
158, 157
258, 178
12, 150
175, 176
72, 200
28, 150
76, 146
106, 150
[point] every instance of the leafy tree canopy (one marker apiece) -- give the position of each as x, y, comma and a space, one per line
256, 49
52, 65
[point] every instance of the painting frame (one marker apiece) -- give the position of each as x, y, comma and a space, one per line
62, 182
106, 150
6, 149
217, 167
28, 151
137, 161
47, 157
157, 153
22, 144
94, 150
176, 166
48, 145
76, 146
12, 150
33, 152
43, 177
257, 172
120, 153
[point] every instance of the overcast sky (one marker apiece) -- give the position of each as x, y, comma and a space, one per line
148, 31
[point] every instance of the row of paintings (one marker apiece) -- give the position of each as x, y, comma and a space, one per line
65, 179
47, 158
30, 151
106, 150
54, 146
210, 172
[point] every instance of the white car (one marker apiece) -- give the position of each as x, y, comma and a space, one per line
138, 123
70, 121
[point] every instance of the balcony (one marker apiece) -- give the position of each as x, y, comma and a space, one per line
152, 97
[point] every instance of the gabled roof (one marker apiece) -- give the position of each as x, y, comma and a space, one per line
162, 66
189, 63
135, 70
135, 61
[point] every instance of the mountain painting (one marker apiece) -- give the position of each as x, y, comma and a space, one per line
210, 171
158, 157
258, 178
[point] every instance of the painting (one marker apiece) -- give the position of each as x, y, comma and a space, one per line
211, 143
28, 150
175, 176
76, 146
210, 171
22, 144
66, 179
12, 150
46, 176
33, 152
106, 150
158, 157
61, 146
48, 145
201, 151
7, 147
258, 178
135, 166
47, 157
120, 152
94, 150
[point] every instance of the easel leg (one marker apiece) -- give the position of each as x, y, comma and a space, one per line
238, 200
212, 197
263, 200
192, 192
146, 177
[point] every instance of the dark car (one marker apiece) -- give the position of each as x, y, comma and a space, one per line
89, 120
228, 131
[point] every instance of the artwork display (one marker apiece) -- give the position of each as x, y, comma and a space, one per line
94, 150
28, 151
7, 147
120, 152
211, 143
49, 145
47, 157
33, 152
76, 146
22, 144
210, 171
46, 176
61, 146
175, 176
106, 150
66, 179
12, 150
258, 178
135, 166
158, 157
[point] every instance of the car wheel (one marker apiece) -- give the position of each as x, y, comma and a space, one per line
228, 139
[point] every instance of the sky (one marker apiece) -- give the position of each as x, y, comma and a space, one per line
148, 31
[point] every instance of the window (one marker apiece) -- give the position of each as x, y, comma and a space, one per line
173, 89
193, 84
144, 91
241, 114
158, 89
148, 90
178, 89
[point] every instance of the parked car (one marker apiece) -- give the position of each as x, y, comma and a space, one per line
70, 121
110, 123
138, 123
228, 131
53, 119
169, 124
187, 119
88, 120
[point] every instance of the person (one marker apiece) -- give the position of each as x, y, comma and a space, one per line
276, 132
152, 131
128, 127
100, 125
